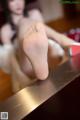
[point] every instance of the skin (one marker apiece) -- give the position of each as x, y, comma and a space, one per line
33, 40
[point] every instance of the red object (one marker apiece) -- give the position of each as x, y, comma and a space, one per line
75, 62
74, 34
74, 50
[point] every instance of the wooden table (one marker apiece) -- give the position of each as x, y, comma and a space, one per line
5, 86
5, 80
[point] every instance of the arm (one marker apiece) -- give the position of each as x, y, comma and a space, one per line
6, 49
58, 37
6, 34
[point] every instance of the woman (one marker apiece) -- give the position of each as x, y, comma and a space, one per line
32, 39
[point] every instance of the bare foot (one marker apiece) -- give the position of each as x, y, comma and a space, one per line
35, 47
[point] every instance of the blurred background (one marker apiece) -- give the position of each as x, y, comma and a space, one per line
55, 13
64, 18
